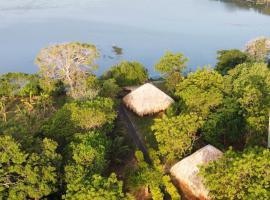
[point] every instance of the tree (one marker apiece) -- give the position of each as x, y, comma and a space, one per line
228, 59
51, 86
201, 91
170, 67
259, 49
225, 126
88, 159
18, 84
152, 177
239, 175
88, 153
71, 63
250, 84
99, 188
110, 88
171, 63
175, 136
27, 175
80, 117
127, 73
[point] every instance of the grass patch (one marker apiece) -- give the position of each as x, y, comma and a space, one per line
143, 127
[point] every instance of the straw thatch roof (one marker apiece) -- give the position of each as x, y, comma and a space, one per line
147, 99
186, 171
130, 88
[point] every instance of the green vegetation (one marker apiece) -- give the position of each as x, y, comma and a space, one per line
170, 67
127, 73
182, 129
61, 136
228, 59
243, 175
201, 91
25, 175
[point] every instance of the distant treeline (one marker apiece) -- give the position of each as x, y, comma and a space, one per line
262, 6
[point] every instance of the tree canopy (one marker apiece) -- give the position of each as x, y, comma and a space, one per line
80, 116
176, 135
201, 91
239, 175
24, 175
127, 73
71, 63
171, 66
228, 59
250, 84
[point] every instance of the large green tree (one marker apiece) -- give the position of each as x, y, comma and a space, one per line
71, 63
228, 59
201, 91
175, 136
170, 66
27, 175
97, 187
239, 175
88, 159
250, 85
80, 117
225, 126
88, 155
127, 73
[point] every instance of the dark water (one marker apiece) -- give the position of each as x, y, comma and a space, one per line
144, 29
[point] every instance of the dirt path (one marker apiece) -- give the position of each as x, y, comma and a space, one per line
133, 133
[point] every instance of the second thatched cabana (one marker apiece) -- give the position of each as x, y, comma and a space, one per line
186, 171
147, 99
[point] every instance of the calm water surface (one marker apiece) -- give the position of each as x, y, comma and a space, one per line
145, 29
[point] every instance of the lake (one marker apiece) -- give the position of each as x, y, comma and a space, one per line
144, 29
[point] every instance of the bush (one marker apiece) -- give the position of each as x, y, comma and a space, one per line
127, 73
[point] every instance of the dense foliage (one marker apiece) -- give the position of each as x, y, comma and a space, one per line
182, 129
19, 84
228, 59
61, 136
153, 177
243, 175
171, 67
24, 175
250, 84
201, 91
80, 116
127, 73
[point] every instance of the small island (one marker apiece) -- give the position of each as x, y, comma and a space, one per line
66, 133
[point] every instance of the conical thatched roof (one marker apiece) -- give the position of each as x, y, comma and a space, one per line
147, 99
186, 171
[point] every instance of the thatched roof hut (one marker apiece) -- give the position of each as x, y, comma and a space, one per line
186, 171
147, 99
